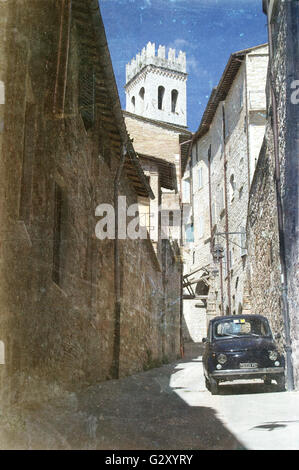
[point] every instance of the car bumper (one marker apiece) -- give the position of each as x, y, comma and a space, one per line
247, 373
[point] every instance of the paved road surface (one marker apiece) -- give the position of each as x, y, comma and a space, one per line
165, 408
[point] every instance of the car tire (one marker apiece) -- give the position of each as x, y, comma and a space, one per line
208, 387
281, 383
213, 386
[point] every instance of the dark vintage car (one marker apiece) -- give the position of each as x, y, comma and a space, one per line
241, 347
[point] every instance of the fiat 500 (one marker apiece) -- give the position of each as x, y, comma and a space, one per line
241, 347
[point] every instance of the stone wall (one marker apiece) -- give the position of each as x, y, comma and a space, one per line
265, 238
57, 296
244, 109
263, 264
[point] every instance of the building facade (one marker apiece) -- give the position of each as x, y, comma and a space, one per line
273, 206
75, 309
219, 173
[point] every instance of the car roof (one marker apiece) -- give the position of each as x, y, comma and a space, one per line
230, 317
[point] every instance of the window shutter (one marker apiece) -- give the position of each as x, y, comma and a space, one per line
86, 95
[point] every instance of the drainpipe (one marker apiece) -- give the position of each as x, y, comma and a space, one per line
285, 306
249, 169
210, 199
226, 213
117, 306
63, 57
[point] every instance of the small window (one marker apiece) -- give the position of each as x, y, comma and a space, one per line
142, 93
189, 234
171, 219
174, 100
133, 103
141, 101
232, 187
161, 92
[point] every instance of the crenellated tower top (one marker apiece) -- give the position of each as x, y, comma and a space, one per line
156, 85
148, 57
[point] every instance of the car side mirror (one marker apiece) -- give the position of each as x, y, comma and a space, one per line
204, 340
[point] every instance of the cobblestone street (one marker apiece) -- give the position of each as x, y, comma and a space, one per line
164, 408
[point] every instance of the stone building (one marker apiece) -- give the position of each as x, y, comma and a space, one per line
74, 309
156, 85
156, 117
273, 205
219, 174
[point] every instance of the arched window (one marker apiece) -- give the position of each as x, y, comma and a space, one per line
141, 96
141, 93
174, 100
161, 91
133, 103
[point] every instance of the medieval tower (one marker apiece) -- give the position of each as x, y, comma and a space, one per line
156, 85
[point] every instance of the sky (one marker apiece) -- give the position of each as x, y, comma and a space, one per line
207, 30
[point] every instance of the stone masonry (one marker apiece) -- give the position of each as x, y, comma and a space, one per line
60, 153
222, 164
273, 240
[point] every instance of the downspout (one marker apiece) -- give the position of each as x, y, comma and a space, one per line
226, 212
247, 125
117, 305
181, 263
63, 57
285, 306
210, 201
221, 286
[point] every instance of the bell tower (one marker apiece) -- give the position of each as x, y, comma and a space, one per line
156, 85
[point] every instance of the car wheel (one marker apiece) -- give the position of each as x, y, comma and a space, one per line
214, 386
207, 384
281, 383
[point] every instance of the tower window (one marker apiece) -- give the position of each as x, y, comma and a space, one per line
133, 103
141, 93
161, 91
174, 99
141, 96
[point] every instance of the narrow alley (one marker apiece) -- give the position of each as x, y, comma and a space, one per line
164, 408
149, 250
